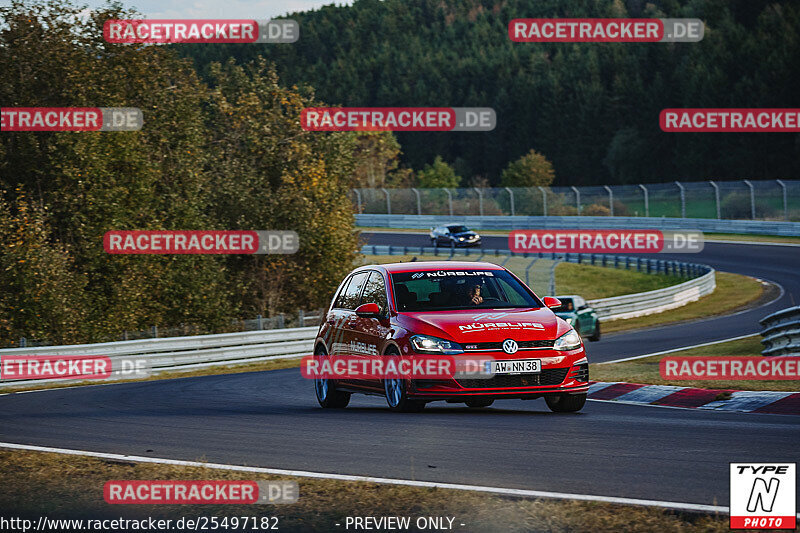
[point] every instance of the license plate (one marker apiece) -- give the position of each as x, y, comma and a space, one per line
517, 366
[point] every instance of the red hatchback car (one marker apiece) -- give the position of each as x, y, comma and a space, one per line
446, 308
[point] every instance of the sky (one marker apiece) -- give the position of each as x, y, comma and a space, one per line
228, 9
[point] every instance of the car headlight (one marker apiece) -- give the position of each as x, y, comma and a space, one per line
427, 344
461, 238
570, 320
568, 341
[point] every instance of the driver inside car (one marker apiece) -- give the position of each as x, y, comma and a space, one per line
474, 295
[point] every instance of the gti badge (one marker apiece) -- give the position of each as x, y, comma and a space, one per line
510, 346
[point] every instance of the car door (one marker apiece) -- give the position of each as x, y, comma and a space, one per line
346, 336
585, 320
370, 333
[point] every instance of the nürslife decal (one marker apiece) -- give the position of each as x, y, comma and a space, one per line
201, 242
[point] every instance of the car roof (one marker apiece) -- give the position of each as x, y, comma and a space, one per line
422, 266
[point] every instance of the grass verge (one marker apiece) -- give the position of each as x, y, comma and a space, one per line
64, 486
734, 292
646, 370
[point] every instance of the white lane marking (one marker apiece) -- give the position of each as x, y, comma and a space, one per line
383, 480
679, 349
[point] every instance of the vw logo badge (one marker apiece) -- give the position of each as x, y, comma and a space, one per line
510, 346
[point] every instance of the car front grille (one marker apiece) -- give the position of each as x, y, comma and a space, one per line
548, 376
498, 346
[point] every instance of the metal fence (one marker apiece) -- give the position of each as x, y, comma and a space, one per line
781, 333
732, 200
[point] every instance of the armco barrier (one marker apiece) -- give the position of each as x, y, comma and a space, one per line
203, 351
618, 307
781, 333
426, 222
187, 353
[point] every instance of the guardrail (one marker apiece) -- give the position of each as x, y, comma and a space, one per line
618, 307
186, 353
500, 222
203, 351
781, 333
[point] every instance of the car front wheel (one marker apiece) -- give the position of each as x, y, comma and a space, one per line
397, 395
565, 403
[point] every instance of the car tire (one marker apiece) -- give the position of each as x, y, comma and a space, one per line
325, 390
596, 334
478, 403
434, 242
565, 403
396, 393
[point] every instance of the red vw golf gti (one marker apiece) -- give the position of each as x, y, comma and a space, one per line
449, 308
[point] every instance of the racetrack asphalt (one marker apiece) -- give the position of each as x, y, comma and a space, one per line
271, 419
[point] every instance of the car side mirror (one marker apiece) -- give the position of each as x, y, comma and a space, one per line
552, 302
370, 310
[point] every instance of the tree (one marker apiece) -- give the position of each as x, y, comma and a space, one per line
531, 170
378, 155
42, 294
438, 175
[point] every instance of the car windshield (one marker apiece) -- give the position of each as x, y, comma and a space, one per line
442, 290
457, 229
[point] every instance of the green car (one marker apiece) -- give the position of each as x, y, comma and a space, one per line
580, 316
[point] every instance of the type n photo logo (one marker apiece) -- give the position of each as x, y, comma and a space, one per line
763, 496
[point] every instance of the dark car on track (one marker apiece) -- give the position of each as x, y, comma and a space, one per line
580, 316
421, 308
454, 235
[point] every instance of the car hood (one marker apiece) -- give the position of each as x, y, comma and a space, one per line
486, 325
465, 234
